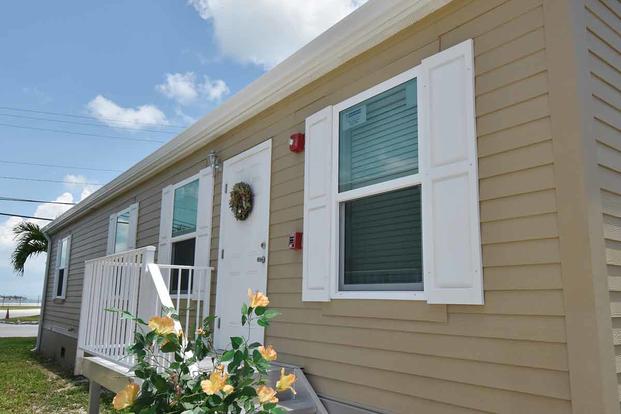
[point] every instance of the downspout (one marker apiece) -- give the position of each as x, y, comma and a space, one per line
43, 294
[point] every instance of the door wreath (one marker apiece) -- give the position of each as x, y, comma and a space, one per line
240, 200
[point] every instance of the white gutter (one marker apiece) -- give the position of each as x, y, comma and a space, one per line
371, 24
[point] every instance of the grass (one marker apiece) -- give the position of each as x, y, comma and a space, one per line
33, 319
29, 384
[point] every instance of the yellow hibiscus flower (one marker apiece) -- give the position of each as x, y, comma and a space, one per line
285, 382
126, 397
227, 389
266, 394
257, 299
163, 325
216, 381
269, 353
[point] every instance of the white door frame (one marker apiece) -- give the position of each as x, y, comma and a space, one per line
264, 146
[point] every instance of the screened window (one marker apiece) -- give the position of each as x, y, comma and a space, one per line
379, 193
378, 138
185, 209
62, 267
121, 234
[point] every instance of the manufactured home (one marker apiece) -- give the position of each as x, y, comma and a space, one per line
432, 200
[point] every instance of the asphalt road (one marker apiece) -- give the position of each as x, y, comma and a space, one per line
12, 331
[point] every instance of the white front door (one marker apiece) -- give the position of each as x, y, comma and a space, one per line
242, 260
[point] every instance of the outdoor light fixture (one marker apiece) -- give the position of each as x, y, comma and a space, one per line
213, 160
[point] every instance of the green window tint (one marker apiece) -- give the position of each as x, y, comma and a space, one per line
382, 242
378, 138
122, 232
185, 209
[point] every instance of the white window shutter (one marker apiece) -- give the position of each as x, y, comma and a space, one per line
451, 230
166, 213
133, 226
203, 217
318, 195
111, 234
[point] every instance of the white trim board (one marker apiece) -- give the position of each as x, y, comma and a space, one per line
371, 24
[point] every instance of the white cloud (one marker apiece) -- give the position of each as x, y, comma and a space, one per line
265, 32
186, 89
180, 86
76, 182
214, 90
114, 115
31, 283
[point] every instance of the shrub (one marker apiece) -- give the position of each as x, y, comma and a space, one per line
181, 376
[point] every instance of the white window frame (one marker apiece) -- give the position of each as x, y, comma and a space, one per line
373, 189
114, 229
62, 266
186, 236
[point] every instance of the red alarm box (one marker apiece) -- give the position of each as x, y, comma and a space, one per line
295, 241
296, 142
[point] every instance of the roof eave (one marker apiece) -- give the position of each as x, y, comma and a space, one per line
369, 25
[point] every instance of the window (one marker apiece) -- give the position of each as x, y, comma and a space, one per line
379, 190
182, 254
391, 202
185, 209
183, 231
122, 230
62, 267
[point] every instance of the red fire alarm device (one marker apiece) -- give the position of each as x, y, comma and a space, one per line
296, 142
295, 241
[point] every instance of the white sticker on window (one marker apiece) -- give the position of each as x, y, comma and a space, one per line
354, 117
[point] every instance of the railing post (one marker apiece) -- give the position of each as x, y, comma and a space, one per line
146, 292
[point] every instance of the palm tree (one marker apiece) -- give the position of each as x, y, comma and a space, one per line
30, 242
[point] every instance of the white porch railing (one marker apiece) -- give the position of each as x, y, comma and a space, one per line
132, 282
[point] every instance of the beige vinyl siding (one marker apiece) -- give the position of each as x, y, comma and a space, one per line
406, 357
604, 41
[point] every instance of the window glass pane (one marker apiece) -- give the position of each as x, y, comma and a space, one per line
185, 207
382, 242
63, 253
122, 232
182, 254
61, 280
378, 138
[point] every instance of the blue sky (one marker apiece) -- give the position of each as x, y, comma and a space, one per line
137, 70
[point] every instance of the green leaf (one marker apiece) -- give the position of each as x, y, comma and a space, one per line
159, 382
236, 341
263, 322
255, 345
244, 319
260, 310
227, 356
244, 309
271, 313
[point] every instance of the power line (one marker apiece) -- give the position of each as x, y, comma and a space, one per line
45, 180
87, 124
83, 133
12, 108
56, 166
26, 217
28, 200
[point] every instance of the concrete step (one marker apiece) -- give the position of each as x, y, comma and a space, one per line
298, 407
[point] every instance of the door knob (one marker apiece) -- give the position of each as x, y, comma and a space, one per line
261, 259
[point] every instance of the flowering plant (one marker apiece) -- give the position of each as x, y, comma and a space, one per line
181, 376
